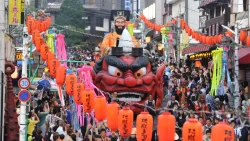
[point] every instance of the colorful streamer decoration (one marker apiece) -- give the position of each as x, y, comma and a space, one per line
50, 42
131, 29
217, 70
61, 48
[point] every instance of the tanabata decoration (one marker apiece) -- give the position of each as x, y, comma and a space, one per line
50, 42
144, 127
248, 41
39, 42
78, 93
192, 130
54, 65
61, 48
217, 70
100, 108
70, 81
243, 35
222, 132
30, 24
50, 56
88, 100
112, 116
125, 122
166, 127
60, 76
44, 51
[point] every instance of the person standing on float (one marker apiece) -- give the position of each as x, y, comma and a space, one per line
112, 39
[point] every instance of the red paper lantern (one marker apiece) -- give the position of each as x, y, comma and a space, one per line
100, 108
192, 128
229, 33
144, 127
112, 116
61, 75
35, 34
30, 23
54, 65
88, 100
44, 51
248, 41
243, 35
38, 25
38, 42
222, 132
70, 81
166, 127
219, 38
125, 122
48, 23
78, 93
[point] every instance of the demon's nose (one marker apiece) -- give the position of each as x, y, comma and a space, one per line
129, 81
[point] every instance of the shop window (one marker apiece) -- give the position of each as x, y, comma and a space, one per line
218, 11
99, 22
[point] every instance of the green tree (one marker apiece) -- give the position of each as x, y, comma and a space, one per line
70, 19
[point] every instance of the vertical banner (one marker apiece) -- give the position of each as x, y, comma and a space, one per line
15, 11
22, 11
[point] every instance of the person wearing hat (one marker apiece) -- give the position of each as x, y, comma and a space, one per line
112, 39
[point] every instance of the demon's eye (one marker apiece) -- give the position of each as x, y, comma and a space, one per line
115, 71
141, 72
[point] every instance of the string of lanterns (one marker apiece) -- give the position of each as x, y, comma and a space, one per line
201, 55
210, 40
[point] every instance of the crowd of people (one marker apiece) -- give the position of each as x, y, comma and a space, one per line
186, 95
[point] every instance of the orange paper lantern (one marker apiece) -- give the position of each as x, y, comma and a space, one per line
100, 108
44, 51
50, 56
112, 116
219, 38
54, 65
222, 132
61, 75
166, 127
78, 93
144, 127
248, 41
70, 81
192, 129
30, 23
88, 100
243, 35
125, 122
229, 33
38, 42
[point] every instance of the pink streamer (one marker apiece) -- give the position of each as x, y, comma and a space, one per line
79, 114
61, 97
61, 49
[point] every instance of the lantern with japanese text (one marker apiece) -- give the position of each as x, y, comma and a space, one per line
78, 93
61, 75
88, 100
70, 81
39, 42
192, 130
125, 121
229, 33
35, 34
54, 65
100, 108
144, 126
44, 51
222, 132
50, 56
166, 127
112, 116
243, 35
30, 24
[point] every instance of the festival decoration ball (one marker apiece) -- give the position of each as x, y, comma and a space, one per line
166, 127
125, 122
112, 116
222, 132
100, 108
192, 129
88, 100
61, 75
54, 65
144, 127
78, 93
70, 81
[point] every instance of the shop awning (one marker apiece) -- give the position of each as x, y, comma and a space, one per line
244, 56
206, 2
195, 49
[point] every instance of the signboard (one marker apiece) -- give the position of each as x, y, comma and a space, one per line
15, 11
24, 95
24, 83
19, 55
127, 5
22, 11
203, 21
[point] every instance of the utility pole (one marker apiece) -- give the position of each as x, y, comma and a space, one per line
26, 41
178, 38
236, 69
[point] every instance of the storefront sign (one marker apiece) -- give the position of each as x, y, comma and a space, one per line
19, 56
15, 10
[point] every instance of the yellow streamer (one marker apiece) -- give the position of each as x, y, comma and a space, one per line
50, 42
217, 70
131, 29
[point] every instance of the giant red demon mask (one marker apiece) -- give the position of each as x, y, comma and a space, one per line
131, 77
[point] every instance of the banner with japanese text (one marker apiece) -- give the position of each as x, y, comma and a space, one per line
15, 10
